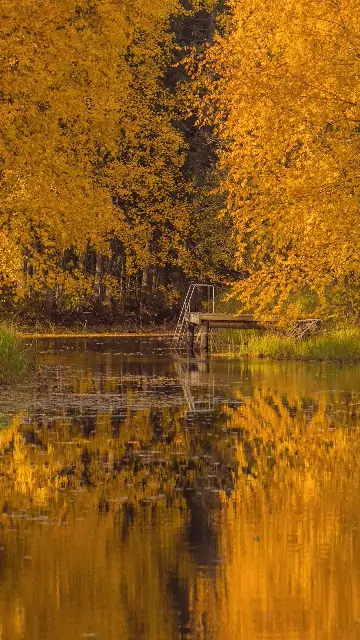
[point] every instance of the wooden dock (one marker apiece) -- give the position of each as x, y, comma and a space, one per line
194, 326
223, 320
203, 322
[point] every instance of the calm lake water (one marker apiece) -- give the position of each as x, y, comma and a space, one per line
147, 496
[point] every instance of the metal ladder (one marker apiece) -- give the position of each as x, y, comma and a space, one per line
180, 329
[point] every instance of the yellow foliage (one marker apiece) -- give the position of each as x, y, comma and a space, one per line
88, 149
282, 90
10, 260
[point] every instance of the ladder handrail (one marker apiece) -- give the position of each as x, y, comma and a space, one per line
186, 308
186, 304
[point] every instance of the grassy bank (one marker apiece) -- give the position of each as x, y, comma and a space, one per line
333, 345
14, 363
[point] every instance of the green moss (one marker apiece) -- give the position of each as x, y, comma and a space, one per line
335, 344
14, 362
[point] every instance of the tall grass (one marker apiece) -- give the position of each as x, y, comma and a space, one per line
335, 344
14, 363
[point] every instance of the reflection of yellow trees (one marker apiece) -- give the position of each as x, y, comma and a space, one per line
110, 541
273, 508
287, 534
21, 472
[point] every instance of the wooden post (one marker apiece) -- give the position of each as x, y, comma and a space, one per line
204, 366
204, 338
190, 335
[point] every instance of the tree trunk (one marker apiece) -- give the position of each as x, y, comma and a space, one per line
99, 286
49, 302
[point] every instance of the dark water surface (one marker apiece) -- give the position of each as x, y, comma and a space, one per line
144, 496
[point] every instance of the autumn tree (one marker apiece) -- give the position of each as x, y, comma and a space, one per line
91, 187
210, 245
281, 86
106, 179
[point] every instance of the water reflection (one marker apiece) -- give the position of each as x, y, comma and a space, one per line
147, 497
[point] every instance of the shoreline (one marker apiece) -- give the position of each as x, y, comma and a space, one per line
38, 331
107, 334
335, 345
265, 358
341, 345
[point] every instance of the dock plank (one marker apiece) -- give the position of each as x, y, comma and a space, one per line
223, 318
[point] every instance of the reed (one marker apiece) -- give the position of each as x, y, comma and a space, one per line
334, 345
14, 362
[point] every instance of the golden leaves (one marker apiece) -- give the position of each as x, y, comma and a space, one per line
282, 90
89, 151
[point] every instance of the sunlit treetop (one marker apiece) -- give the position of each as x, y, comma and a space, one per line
282, 88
